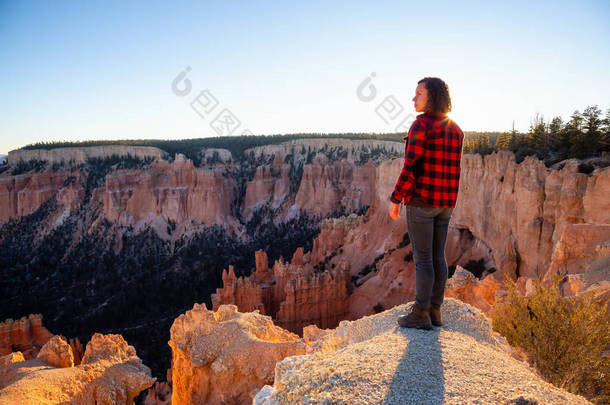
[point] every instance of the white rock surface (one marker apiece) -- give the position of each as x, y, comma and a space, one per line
373, 361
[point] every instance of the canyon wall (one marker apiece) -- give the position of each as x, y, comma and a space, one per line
523, 220
24, 193
176, 191
521, 210
76, 155
317, 177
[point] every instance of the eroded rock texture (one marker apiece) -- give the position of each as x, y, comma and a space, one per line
110, 373
225, 356
294, 294
25, 335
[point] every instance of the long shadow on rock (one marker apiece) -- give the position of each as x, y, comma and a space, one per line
419, 377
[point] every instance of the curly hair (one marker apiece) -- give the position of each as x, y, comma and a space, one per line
439, 100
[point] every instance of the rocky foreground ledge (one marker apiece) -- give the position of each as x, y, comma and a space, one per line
229, 357
372, 361
110, 373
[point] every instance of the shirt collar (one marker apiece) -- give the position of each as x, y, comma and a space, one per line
434, 114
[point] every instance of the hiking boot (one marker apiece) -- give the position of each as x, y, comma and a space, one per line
435, 315
417, 318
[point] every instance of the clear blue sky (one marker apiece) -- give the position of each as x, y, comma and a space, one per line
103, 70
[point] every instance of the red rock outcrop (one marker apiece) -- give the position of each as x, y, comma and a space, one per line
582, 254
77, 350
110, 373
225, 356
469, 289
294, 294
270, 186
177, 191
329, 186
26, 335
325, 186
56, 353
159, 394
25, 193
521, 210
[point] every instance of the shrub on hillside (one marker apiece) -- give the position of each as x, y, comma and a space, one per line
565, 338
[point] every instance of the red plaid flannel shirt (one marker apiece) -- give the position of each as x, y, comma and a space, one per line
432, 162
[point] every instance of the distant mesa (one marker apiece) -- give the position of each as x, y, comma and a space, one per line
78, 155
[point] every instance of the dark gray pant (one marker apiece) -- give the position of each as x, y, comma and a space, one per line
427, 229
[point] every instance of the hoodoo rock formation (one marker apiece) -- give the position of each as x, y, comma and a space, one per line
583, 255
25, 335
224, 356
110, 373
294, 294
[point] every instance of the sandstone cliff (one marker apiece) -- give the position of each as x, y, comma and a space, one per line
373, 361
110, 373
78, 155
521, 210
175, 191
23, 194
181, 193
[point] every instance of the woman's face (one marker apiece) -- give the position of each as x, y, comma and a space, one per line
421, 98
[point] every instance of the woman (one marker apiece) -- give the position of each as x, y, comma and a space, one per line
428, 186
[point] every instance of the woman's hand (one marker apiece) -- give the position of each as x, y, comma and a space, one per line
394, 210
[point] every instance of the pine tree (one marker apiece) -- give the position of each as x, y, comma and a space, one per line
503, 141
538, 136
482, 144
574, 133
592, 130
605, 130
555, 134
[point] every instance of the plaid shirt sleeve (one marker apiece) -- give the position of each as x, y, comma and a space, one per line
414, 151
